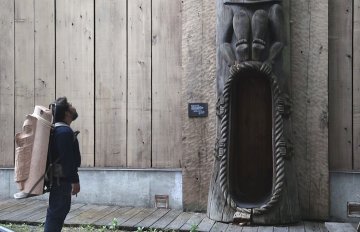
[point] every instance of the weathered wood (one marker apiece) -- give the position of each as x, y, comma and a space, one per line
206, 224
91, 215
339, 227
220, 227
317, 117
234, 168
110, 83
24, 61
309, 87
340, 85
109, 217
195, 220
234, 228
15, 207
138, 217
166, 84
166, 219
155, 216
268, 229
179, 221
249, 229
121, 218
7, 82
44, 27
356, 84
25, 209
139, 84
76, 211
198, 85
281, 229
75, 67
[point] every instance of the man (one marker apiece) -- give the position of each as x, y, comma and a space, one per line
64, 149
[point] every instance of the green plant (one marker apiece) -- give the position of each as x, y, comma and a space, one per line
114, 224
194, 228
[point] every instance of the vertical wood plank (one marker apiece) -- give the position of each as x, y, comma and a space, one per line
166, 83
299, 55
340, 84
309, 87
75, 67
110, 79
317, 118
356, 86
44, 52
198, 85
7, 83
24, 61
139, 84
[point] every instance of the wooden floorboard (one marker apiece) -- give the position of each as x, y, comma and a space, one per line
154, 217
33, 210
206, 224
179, 221
195, 220
166, 219
107, 219
138, 218
234, 228
219, 227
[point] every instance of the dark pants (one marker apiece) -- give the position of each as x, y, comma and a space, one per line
59, 206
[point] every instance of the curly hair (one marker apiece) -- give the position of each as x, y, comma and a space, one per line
61, 106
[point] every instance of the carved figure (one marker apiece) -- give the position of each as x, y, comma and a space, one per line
31, 152
257, 32
253, 179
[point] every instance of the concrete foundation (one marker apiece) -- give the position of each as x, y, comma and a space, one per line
123, 187
344, 188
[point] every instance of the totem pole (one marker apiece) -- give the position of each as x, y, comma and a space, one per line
253, 178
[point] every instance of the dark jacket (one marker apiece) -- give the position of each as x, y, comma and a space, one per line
65, 146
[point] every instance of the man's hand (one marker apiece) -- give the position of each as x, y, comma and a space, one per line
75, 188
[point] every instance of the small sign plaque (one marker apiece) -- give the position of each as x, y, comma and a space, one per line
196, 110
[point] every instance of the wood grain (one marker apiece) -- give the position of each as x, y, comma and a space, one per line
110, 83
75, 67
44, 39
7, 83
24, 61
166, 84
356, 85
309, 88
139, 84
340, 85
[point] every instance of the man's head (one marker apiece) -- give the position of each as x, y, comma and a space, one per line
64, 111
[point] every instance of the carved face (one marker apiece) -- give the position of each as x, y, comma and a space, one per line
25, 136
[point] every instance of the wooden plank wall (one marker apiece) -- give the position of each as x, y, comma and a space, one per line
75, 67
166, 79
7, 82
139, 84
309, 48
44, 54
111, 83
340, 84
356, 85
344, 85
117, 61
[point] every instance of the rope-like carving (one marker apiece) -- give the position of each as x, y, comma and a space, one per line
279, 143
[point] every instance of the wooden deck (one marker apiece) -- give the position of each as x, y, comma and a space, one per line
129, 218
